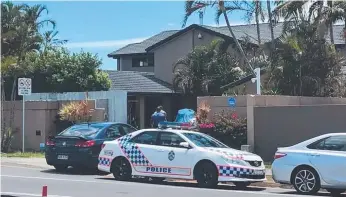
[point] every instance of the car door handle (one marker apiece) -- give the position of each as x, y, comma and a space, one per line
314, 154
160, 150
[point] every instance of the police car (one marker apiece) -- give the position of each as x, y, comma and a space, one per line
178, 153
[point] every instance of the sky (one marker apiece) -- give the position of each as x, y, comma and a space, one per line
103, 27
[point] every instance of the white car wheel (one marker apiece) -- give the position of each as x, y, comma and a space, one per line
306, 181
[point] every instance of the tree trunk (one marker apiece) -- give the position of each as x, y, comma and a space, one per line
331, 30
257, 4
271, 24
331, 33
236, 40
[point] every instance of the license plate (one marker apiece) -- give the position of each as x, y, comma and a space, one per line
63, 157
258, 172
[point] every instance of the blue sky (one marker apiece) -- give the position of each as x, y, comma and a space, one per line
102, 27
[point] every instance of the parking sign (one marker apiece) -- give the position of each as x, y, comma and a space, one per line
24, 86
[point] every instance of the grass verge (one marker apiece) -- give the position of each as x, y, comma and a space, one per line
24, 155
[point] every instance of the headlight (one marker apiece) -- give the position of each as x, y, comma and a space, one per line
234, 161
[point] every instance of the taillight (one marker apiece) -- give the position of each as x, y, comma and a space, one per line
50, 143
279, 155
85, 143
102, 146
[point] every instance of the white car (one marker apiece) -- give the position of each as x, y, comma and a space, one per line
179, 154
313, 164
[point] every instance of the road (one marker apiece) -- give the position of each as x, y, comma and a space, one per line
25, 182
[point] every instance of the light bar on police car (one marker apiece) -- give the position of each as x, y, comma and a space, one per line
174, 125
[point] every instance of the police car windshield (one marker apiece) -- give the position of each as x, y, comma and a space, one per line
202, 140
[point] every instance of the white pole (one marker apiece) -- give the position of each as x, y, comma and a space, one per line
258, 80
23, 121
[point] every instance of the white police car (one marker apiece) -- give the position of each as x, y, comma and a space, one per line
179, 154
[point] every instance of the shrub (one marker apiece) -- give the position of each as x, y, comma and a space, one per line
202, 112
230, 129
76, 112
7, 136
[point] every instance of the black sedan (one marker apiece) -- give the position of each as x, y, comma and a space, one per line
79, 145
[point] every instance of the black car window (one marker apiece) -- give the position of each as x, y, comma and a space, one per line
333, 143
147, 137
128, 129
83, 130
170, 139
113, 132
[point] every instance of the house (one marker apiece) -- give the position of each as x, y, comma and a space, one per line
145, 69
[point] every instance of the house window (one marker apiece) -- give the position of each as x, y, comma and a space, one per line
147, 61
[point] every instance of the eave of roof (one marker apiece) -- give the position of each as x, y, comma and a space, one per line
138, 82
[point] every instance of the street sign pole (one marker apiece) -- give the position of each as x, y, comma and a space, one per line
23, 121
24, 88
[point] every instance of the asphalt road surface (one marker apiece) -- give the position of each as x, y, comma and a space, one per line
25, 182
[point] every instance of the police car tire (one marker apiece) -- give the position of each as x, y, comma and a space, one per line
241, 185
336, 192
156, 179
211, 170
125, 177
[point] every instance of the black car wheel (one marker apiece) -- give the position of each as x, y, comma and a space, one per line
206, 175
60, 167
241, 185
306, 181
121, 169
336, 192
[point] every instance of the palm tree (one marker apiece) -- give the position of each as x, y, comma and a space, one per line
308, 68
193, 6
204, 70
50, 41
319, 14
20, 28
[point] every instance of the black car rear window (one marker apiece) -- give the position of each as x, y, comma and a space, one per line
89, 131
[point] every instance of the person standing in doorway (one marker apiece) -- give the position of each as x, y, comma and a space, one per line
162, 111
158, 116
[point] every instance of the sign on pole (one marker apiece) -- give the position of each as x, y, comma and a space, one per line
24, 88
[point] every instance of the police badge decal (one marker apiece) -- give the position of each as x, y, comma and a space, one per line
171, 155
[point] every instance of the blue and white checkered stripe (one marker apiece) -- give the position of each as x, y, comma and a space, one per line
234, 171
132, 151
104, 161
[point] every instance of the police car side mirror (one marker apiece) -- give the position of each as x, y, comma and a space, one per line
185, 145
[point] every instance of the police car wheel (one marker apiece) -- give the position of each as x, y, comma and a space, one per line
241, 185
206, 175
121, 169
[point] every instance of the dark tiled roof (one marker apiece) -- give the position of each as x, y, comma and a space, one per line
140, 47
251, 31
137, 82
239, 30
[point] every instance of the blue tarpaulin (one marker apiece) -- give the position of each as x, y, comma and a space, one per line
185, 115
